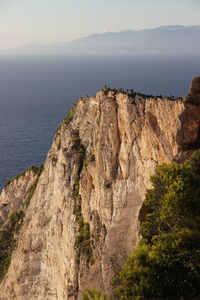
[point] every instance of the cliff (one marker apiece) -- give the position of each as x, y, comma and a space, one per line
82, 220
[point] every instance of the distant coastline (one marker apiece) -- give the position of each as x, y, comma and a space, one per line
172, 39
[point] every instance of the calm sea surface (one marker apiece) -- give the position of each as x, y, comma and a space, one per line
37, 92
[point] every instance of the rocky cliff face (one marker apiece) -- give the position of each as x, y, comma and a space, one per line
82, 221
14, 193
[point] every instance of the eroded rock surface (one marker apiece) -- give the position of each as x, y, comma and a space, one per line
94, 182
194, 93
14, 194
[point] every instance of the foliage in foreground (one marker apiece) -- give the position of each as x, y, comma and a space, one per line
93, 294
166, 263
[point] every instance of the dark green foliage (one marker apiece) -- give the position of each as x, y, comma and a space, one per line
166, 264
173, 201
76, 141
91, 158
93, 294
148, 274
82, 243
80, 149
194, 162
8, 240
83, 240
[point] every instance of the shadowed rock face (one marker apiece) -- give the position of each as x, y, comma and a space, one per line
195, 86
124, 137
194, 93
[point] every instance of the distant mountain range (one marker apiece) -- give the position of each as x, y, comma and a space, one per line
161, 40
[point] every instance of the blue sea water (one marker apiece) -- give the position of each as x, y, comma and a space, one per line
37, 92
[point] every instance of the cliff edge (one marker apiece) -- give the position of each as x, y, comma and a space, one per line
82, 220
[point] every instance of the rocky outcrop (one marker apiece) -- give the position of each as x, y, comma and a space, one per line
15, 193
194, 94
82, 221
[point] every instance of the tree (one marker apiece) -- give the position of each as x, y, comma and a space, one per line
166, 263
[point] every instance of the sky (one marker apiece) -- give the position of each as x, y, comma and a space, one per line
36, 22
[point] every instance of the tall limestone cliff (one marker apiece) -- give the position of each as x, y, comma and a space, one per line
82, 220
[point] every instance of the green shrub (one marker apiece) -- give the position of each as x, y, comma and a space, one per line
166, 264
8, 240
94, 294
91, 158
82, 242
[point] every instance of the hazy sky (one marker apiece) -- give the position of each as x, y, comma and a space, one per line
25, 22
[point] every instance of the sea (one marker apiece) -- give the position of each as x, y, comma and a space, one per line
37, 92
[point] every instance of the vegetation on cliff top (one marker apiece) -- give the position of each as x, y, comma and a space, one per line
166, 263
35, 170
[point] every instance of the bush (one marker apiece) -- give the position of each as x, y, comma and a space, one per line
166, 264
93, 294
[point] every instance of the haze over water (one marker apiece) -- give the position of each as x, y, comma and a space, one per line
37, 92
